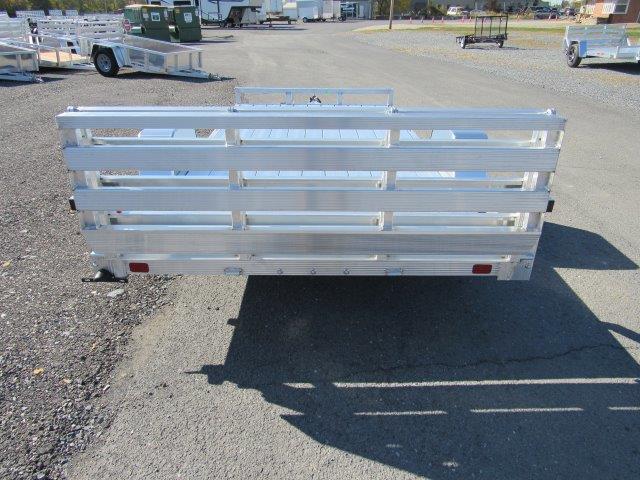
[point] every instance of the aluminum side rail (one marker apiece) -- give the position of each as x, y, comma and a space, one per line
311, 189
18, 64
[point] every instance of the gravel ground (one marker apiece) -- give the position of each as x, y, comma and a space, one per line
60, 338
533, 58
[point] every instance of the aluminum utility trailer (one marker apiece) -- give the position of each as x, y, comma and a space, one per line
18, 64
599, 41
344, 187
487, 29
146, 55
51, 51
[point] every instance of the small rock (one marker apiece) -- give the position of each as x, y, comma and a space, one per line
115, 293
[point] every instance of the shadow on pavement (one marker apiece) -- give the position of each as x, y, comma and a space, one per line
449, 377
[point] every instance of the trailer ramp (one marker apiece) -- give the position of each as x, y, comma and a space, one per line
349, 186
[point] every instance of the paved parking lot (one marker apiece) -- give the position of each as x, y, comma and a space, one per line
378, 377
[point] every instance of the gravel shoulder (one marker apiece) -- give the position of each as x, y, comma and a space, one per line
533, 58
60, 338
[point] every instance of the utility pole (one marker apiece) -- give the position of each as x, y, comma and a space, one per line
391, 15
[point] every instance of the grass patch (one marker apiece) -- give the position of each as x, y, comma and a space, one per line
634, 32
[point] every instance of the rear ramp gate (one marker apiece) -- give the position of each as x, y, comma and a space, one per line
349, 186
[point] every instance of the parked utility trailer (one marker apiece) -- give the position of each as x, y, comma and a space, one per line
487, 29
342, 187
599, 41
146, 55
18, 64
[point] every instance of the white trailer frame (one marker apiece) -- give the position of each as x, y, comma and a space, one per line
152, 56
288, 188
599, 41
18, 64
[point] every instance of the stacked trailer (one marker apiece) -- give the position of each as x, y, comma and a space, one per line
599, 41
74, 28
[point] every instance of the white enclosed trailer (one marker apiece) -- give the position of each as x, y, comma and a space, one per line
217, 11
331, 10
599, 41
333, 188
310, 10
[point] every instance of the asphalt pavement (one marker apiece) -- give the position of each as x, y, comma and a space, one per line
305, 377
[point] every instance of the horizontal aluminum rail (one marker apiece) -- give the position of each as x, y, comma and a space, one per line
478, 119
290, 93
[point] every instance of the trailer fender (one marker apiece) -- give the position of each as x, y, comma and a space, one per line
118, 53
582, 48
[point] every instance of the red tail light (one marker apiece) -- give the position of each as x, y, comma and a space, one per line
481, 268
139, 267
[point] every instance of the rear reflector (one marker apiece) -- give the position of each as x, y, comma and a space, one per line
138, 267
481, 268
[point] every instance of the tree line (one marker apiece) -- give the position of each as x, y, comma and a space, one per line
81, 5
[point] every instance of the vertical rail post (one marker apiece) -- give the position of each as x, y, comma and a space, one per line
82, 179
389, 181
238, 218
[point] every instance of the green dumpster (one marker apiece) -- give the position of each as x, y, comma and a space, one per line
150, 21
185, 24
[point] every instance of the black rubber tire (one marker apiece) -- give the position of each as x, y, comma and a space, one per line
105, 63
304, 20
500, 44
573, 59
463, 43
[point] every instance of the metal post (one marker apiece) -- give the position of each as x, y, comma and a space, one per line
391, 15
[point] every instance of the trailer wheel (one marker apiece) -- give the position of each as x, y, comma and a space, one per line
105, 63
573, 59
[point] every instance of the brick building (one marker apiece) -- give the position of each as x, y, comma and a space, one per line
614, 11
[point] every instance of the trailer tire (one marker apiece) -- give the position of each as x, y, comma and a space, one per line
573, 59
106, 63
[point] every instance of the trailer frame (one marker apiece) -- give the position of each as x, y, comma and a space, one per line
486, 34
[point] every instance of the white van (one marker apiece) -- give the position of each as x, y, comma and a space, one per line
455, 11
